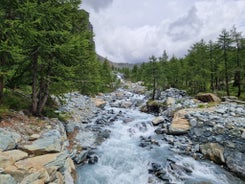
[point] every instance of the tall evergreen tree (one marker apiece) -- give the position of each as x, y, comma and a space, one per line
225, 41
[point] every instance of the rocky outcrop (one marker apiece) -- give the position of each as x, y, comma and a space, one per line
50, 142
8, 139
41, 157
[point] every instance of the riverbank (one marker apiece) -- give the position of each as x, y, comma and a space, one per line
42, 150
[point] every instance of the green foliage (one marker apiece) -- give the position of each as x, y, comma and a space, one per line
47, 46
214, 66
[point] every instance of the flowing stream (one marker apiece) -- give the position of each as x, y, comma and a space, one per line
123, 161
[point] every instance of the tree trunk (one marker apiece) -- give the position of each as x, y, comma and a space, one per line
44, 91
2, 63
226, 75
34, 84
154, 89
1, 89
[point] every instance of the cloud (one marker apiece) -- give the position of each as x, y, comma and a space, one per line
185, 27
131, 31
97, 5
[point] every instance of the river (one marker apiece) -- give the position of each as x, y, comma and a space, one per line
134, 154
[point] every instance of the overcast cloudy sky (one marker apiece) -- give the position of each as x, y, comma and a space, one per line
132, 30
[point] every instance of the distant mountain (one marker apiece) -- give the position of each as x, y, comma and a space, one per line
117, 65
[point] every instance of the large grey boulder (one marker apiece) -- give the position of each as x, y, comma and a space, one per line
235, 161
51, 142
8, 140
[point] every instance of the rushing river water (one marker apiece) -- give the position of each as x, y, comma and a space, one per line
123, 161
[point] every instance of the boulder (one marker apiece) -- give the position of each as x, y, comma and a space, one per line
5, 160
126, 104
214, 152
7, 179
16, 155
99, 102
156, 121
235, 161
49, 143
41, 176
70, 171
208, 97
170, 101
243, 134
38, 162
8, 139
180, 124
154, 106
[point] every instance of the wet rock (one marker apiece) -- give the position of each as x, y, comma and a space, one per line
159, 131
92, 159
81, 157
208, 97
243, 134
126, 104
198, 181
158, 120
213, 151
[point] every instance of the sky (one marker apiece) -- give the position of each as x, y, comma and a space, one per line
130, 31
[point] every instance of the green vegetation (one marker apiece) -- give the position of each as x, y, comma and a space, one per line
47, 47
208, 67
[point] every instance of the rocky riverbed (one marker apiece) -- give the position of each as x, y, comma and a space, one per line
157, 145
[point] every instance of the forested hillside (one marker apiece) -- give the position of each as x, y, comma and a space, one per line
217, 66
47, 47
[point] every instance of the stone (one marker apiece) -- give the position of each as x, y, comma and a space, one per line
208, 97
7, 179
17, 155
235, 161
180, 124
170, 101
41, 175
158, 120
213, 151
243, 134
126, 104
34, 137
99, 102
37, 162
47, 144
70, 171
5, 160
8, 139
